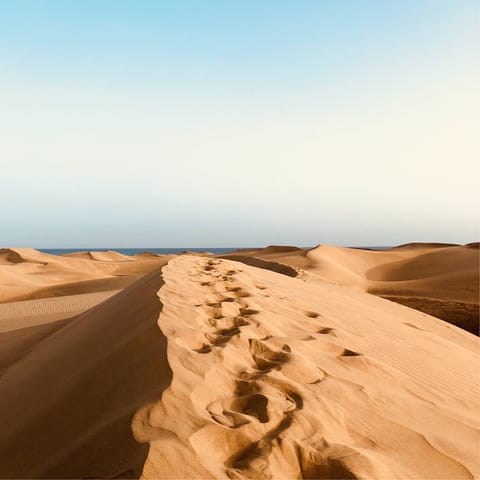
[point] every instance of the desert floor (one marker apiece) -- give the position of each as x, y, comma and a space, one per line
272, 363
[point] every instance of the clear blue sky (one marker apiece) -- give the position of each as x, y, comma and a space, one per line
238, 123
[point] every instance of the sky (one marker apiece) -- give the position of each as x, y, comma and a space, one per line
202, 123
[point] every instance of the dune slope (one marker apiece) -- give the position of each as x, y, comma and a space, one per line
281, 377
214, 368
27, 274
66, 405
438, 279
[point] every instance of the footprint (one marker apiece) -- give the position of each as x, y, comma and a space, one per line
230, 332
226, 299
312, 314
254, 405
295, 398
214, 305
242, 294
229, 419
325, 460
222, 336
245, 384
234, 289
248, 311
350, 353
241, 322
325, 330
266, 358
216, 340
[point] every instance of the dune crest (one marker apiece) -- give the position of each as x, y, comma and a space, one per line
279, 377
237, 367
101, 256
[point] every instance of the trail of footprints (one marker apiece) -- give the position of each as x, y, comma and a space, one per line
222, 326
256, 387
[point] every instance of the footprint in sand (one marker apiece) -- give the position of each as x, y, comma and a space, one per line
226, 299
350, 353
238, 291
237, 411
325, 330
214, 305
325, 460
266, 357
245, 312
222, 335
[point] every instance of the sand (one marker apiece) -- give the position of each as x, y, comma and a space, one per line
247, 368
27, 274
66, 405
438, 279
277, 377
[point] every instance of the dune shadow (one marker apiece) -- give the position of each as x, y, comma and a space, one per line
67, 407
260, 263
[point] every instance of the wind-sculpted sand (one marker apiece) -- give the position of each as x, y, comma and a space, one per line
277, 377
66, 404
438, 279
27, 274
214, 368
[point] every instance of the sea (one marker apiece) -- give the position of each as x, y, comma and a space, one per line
164, 251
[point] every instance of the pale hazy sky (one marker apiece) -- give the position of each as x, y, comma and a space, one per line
238, 123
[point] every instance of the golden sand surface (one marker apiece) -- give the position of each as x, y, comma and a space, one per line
274, 363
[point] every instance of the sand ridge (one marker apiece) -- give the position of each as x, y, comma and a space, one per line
210, 367
276, 377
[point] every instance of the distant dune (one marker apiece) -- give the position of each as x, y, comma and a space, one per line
424, 245
27, 274
273, 363
104, 256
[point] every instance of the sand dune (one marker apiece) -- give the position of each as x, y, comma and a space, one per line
66, 405
16, 315
103, 256
277, 377
27, 274
424, 245
439, 279
240, 367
